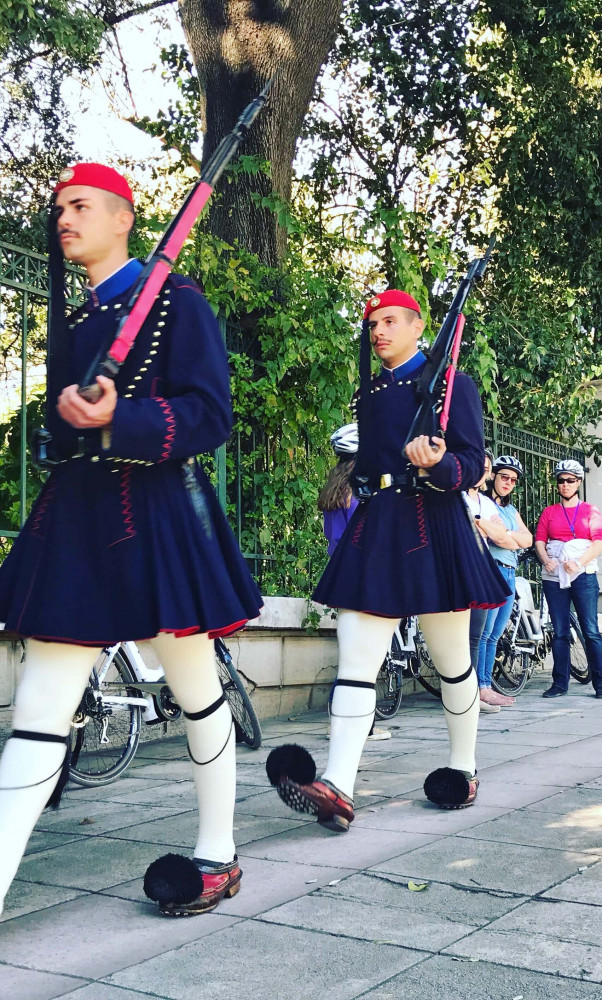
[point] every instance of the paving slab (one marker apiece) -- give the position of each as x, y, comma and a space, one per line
586, 887
100, 991
529, 773
98, 863
24, 984
256, 959
421, 816
28, 897
71, 942
93, 818
443, 978
583, 800
544, 935
483, 863
579, 830
181, 831
310, 844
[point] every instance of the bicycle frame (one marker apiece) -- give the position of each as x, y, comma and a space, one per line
151, 680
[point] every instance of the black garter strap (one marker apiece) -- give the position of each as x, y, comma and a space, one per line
459, 679
62, 770
353, 684
28, 734
195, 716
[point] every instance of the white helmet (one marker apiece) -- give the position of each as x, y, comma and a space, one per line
571, 467
345, 441
507, 462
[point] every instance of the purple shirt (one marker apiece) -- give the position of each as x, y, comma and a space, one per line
335, 522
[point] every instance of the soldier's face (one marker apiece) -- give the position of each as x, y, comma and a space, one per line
87, 226
394, 332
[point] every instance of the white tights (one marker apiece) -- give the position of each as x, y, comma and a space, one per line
48, 695
363, 643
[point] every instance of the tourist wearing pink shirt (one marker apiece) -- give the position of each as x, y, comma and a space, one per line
568, 541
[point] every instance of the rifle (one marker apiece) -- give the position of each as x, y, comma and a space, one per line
442, 359
161, 260
154, 274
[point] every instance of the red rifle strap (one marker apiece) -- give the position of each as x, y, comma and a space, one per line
451, 371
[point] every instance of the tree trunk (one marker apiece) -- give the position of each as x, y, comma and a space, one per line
237, 46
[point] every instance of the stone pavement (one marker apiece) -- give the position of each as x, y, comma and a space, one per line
512, 910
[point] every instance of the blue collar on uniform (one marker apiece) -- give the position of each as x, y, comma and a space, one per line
115, 284
407, 368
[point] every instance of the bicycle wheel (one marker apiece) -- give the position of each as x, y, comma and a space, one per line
424, 669
578, 664
389, 682
512, 667
105, 736
246, 722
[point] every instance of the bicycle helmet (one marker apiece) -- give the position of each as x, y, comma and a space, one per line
507, 462
345, 440
568, 465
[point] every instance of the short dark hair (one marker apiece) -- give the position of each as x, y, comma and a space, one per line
115, 203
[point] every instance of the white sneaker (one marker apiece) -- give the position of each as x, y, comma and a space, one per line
484, 706
379, 734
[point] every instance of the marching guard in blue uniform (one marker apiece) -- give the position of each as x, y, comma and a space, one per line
127, 541
406, 551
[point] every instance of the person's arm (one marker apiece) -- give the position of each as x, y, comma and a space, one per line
542, 536
575, 565
521, 535
497, 532
457, 464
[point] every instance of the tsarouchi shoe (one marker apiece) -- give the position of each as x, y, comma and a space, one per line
292, 771
449, 788
183, 887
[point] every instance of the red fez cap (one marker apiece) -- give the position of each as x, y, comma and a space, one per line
95, 175
392, 297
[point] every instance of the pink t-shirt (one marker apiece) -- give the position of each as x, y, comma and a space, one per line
555, 523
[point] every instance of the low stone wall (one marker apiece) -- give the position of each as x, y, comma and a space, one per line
286, 669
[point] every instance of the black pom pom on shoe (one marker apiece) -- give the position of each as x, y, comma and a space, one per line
173, 879
291, 761
447, 787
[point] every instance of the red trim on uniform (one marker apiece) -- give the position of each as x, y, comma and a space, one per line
45, 501
126, 506
179, 633
459, 470
170, 433
421, 524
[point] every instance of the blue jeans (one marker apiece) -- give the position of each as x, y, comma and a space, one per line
497, 619
583, 592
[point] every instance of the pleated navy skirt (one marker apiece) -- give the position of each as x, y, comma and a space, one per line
411, 554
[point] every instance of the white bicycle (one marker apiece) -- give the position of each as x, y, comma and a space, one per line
122, 693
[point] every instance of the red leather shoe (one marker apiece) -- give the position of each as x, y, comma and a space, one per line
218, 881
333, 809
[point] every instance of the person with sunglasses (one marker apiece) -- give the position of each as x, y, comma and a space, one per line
568, 541
507, 470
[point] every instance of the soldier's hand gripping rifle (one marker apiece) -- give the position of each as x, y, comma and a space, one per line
442, 359
157, 267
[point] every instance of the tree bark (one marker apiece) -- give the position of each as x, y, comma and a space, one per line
237, 46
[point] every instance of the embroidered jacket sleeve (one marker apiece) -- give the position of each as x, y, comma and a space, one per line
462, 465
191, 412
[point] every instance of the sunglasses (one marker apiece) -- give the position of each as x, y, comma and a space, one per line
563, 482
507, 478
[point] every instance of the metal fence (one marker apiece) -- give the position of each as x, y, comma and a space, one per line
236, 466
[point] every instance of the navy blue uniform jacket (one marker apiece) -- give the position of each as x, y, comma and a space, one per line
406, 552
113, 548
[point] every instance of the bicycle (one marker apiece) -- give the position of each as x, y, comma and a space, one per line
121, 693
407, 656
527, 641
